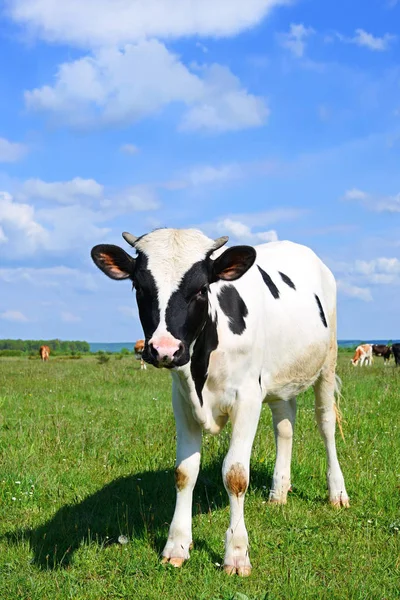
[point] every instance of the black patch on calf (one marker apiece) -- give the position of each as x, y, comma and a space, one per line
147, 300
205, 344
234, 307
269, 283
287, 280
187, 307
321, 311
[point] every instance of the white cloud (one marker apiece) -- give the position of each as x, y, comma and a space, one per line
64, 192
362, 38
13, 315
208, 174
357, 276
11, 151
368, 40
94, 23
26, 230
129, 149
355, 194
354, 291
389, 204
19, 223
249, 227
223, 105
375, 202
122, 86
243, 233
384, 271
77, 216
68, 317
295, 40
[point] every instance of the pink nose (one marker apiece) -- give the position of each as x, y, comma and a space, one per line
165, 348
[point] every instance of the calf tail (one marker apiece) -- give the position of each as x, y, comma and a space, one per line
338, 397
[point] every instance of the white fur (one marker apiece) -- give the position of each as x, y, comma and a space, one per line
284, 343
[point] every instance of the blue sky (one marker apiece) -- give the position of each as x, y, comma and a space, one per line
263, 120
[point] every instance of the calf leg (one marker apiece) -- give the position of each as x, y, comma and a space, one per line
235, 472
188, 446
326, 419
283, 418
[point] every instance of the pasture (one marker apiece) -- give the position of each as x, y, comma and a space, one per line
87, 454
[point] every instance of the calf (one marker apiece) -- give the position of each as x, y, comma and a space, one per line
382, 350
44, 352
237, 327
362, 355
396, 354
139, 348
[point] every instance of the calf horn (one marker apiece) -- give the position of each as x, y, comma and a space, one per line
131, 239
219, 242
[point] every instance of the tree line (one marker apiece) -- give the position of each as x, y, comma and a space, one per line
32, 346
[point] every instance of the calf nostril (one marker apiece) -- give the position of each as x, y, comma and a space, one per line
179, 352
153, 351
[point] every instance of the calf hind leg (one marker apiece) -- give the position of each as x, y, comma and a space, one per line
326, 419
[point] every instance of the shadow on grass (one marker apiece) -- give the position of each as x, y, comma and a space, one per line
138, 506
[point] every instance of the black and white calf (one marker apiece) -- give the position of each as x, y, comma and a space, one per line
237, 327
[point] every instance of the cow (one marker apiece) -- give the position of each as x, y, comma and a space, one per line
139, 348
396, 354
362, 355
44, 352
382, 350
236, 327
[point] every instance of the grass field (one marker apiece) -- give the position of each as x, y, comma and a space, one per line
87, 454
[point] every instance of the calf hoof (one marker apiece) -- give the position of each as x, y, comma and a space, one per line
175, 562
278, 498
241, 571
272, 500
342, 502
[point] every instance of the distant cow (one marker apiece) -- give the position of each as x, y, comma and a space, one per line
382, 350
139, 348
44, 352
237, 327
362, 355
396, 354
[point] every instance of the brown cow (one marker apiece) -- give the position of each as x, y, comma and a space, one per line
44, 352
382, 350
139, 347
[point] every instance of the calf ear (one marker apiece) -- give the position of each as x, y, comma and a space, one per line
113, 261
233, 263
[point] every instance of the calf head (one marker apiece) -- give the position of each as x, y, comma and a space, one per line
172, 273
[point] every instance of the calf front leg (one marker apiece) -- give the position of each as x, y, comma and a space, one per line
187, 466
236, 471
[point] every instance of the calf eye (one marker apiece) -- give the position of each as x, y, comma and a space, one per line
202, 292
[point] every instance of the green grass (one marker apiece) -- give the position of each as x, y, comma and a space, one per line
87, 454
